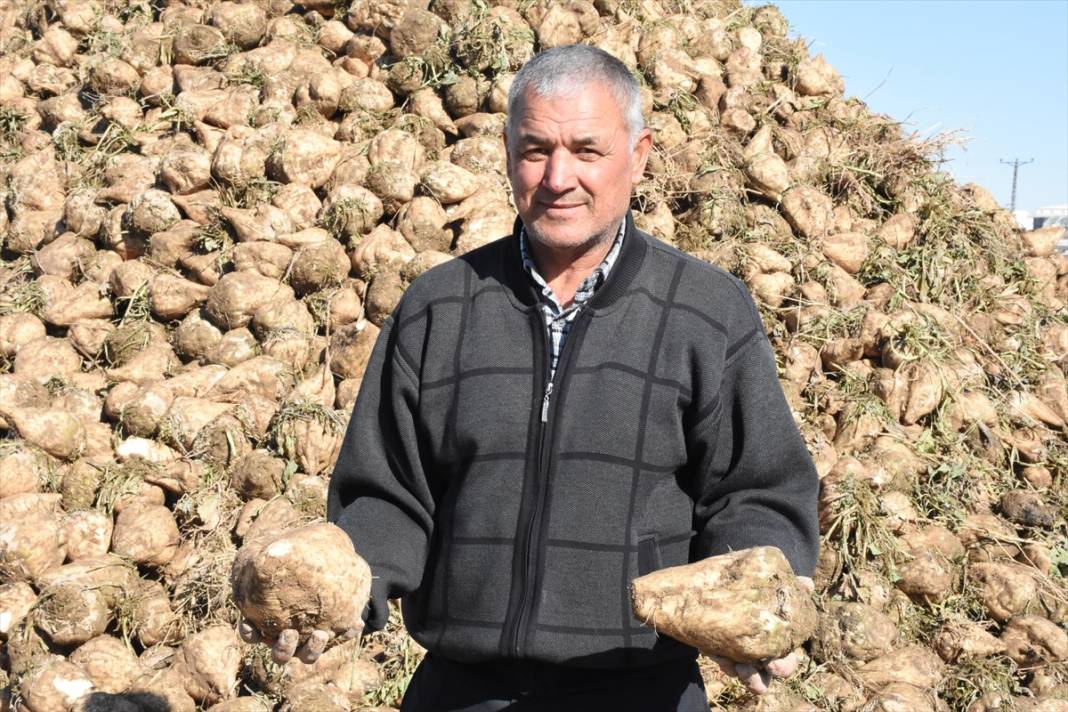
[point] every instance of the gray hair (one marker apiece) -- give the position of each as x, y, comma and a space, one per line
563, 71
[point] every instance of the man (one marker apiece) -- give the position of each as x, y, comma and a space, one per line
560, 411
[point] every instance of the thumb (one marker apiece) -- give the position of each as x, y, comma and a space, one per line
755, 679
248, 632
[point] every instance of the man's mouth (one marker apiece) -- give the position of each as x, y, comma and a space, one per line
561, 206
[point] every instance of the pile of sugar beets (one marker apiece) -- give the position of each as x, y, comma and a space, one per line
209, 209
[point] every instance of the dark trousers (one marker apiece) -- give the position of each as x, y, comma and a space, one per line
442, 685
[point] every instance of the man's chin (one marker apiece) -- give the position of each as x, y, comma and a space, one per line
566, 241
559, 234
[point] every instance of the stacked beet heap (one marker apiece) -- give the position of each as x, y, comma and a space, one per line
210, 208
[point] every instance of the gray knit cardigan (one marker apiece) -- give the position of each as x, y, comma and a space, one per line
511, 524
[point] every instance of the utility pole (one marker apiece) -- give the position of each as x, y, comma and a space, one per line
1015, 169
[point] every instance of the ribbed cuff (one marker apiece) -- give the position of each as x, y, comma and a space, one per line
376, 612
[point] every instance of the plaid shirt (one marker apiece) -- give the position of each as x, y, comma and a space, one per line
558, 319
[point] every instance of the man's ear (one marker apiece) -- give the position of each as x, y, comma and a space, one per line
507, 153
640, 155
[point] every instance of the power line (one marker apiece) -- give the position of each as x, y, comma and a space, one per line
1016, 163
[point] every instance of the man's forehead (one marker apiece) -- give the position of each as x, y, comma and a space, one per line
531, 134
587, 114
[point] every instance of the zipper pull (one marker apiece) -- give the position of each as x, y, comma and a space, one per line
545, 403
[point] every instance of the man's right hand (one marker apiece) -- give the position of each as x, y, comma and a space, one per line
288, 644
758, 676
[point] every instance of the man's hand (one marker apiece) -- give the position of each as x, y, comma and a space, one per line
300, 618
287, 645
758, 676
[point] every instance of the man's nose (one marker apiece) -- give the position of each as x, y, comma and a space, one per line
559, 175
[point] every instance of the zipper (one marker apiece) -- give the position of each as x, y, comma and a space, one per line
545, 401
530, 573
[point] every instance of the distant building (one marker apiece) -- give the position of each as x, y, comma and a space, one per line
1053, 215
1024, 220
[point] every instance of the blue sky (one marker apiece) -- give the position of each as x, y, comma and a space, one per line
995, 69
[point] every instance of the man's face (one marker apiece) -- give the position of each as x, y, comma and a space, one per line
572, 166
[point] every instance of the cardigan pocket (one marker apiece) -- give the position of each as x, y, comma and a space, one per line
648, 554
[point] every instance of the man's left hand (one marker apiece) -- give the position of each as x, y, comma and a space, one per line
288, 644
758, 676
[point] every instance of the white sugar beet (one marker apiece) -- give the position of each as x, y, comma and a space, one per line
306, 578
746, 605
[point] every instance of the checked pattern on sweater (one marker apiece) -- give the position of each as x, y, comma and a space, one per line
582, 544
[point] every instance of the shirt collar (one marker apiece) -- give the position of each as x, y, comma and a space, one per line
592, 281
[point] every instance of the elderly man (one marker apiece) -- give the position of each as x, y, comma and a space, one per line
558, 412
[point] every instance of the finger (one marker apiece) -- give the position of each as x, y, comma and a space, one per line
755, 679
248, 632
285, 646
353, 632
807, 583
311, 650
783, 667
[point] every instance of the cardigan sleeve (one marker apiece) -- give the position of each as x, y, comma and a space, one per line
378, 491
756, 484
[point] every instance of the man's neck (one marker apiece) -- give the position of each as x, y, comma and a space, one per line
563, 269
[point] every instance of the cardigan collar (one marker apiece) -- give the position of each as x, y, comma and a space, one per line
619, 278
